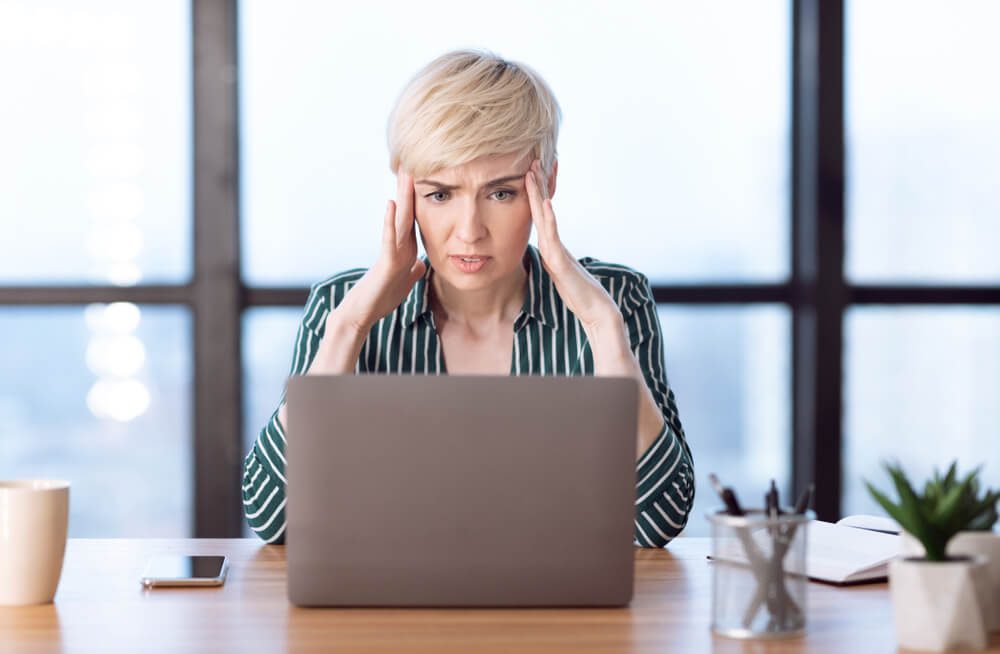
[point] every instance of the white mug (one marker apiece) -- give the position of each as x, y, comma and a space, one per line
34, 518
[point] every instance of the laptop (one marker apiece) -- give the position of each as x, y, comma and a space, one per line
460, 491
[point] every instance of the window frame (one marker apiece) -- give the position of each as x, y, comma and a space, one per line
817, 293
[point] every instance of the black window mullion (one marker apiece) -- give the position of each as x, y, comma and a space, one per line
216, 285
81, 295
817, 215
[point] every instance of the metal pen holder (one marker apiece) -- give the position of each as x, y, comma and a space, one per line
759, 580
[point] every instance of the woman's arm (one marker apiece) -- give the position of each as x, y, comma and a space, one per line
264, 466
631, 345
614, 357
336, 322
337, 353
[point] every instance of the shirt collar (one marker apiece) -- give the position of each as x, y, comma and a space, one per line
541, 301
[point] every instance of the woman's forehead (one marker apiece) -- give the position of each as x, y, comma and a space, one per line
483, 169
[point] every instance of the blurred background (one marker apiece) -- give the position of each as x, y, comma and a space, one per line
813, 193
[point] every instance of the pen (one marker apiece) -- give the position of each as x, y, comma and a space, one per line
728, 496
771, 501
804, 499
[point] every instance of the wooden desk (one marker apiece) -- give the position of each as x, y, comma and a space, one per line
101, 607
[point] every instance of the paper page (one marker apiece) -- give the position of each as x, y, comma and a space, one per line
836, 552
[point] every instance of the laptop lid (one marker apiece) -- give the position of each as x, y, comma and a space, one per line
431, 490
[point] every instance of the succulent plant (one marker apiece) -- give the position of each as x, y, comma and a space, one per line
946, 507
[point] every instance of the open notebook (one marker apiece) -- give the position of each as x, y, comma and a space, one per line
839, 554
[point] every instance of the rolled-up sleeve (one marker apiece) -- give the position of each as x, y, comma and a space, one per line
264, 466
665, 472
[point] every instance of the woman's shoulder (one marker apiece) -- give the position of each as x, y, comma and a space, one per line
343, 279
600, 268
327, 293
627, 286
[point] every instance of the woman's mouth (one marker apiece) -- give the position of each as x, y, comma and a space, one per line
469, 264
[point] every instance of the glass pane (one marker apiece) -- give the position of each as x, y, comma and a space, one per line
730, 370
728, 366
921, 387
673, 151
923, 141
95, 162
268, 339
101, 396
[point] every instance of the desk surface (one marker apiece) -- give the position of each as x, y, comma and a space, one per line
100, 606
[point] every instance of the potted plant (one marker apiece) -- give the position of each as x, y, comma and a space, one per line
940, 601
976, 538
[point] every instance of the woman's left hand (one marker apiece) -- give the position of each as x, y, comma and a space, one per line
582, 294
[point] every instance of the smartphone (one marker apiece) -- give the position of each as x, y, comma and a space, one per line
181, 570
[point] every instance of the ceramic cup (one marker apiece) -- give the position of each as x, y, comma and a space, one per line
34, 517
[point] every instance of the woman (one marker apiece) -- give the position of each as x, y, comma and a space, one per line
472, 141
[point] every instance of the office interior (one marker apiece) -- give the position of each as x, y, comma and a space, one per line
814, 202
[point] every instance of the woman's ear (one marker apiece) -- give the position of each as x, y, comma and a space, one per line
552, 178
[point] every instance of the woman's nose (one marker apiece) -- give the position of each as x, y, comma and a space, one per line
470, 226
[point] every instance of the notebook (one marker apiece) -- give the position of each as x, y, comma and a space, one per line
839, 554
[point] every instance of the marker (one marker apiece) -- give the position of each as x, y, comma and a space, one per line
728, 496
804, 499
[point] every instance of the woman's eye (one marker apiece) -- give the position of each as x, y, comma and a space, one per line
508, 194
435, 193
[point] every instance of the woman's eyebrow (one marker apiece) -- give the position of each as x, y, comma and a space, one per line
449, 187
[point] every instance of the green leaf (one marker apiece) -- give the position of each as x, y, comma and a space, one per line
907, 496
894, 511
913, 505
947, 505
950, 477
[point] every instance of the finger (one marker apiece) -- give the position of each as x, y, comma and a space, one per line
538, 214
543, 180
388, 225
411, 232
534, 198
550, 216
404, 206
417, 271
543, 184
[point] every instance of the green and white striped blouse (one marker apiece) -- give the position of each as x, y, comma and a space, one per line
549, 340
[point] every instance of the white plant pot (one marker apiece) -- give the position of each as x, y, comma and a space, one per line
936, 604
971, 543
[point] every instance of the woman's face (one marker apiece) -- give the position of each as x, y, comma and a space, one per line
478, 209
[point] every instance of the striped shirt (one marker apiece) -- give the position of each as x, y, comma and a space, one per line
548, 340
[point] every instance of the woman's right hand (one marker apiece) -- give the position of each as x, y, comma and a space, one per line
387, 283
382, 288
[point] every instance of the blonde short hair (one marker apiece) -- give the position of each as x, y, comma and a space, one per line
470, 103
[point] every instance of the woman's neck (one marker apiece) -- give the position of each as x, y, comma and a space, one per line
482, 310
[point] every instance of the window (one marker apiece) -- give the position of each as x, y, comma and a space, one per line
730, 357
923, 145
923, 137
719, 176
921, 387
101, 396
657, 170
665, 134
94, 183
729, 367
94, 206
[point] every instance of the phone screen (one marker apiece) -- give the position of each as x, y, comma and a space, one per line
174, 567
